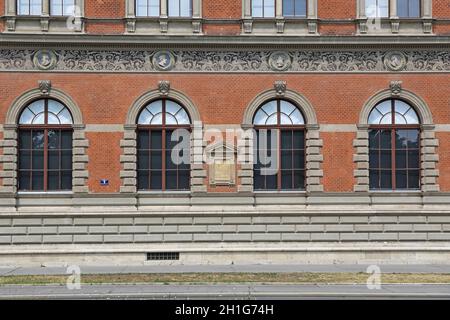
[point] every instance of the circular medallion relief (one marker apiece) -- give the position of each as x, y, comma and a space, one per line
44, 59
395, 61
279, 61
163, 60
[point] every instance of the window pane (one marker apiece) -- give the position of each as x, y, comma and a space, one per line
156, 160
37, 180
414, 8
299, 159
300, 8
24, 180
56, 7
53, 159
53, 180
286, 159
53, 139
386, 179
374, 139
66, 159
143, 160
24, 139
171, 179
286, 179
269, 8
38, 140
286, 140
66, 180
299, 179
154, 8
257, 8
374, 159
299, 139
414, 159
385, 139
184, 179
185, 8
141, 8
170, 164
288, 8
413, 138
374, 179
38, 160
143, 180
66, 139
23, 7
174, 8
155, 180
156, 140
401, 179
25, 159
36, 7
413, 179
271, 182
258, 180
400, 159
386, 159
143, 139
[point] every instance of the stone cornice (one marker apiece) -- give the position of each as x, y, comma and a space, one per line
213, 42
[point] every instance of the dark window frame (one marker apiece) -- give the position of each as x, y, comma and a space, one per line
163, 128
279, 128
45, 128
393, 128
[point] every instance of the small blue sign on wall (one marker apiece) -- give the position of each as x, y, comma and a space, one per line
104, 182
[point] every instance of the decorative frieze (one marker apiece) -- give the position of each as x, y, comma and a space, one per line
224, 61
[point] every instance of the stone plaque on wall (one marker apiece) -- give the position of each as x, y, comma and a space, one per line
222, 169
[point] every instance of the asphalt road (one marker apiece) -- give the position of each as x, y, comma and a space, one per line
228, 291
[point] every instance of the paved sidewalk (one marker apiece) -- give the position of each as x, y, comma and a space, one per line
8, 271
226, 291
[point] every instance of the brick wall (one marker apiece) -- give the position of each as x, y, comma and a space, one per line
222, 99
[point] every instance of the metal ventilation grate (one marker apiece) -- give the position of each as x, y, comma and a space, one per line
163, 256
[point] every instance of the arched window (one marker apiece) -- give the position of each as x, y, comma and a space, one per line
163, 147
45, 147
394, 146
280, 147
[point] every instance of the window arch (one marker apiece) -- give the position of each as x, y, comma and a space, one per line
45, 147
163, 146
280, 147
394, 146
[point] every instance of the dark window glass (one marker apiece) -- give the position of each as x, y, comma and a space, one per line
161, 165
408, 8
394, 148
280, 147
45, 147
